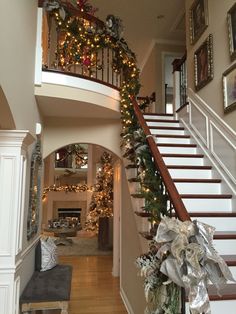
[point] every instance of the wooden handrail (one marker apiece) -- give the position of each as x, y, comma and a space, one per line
151, 98
174, 196
177, 63
77, 12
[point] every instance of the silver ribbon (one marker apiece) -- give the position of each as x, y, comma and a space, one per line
191, 260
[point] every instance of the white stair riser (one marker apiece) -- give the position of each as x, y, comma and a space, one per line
190, 173
167, 131
131, 173
172, 140
198, 188
219, 307
137, 203
220, 223
202, 204
233, 272
143, 225
176, 150
155, 117
134, 187
168, 124
225, 247
183, 161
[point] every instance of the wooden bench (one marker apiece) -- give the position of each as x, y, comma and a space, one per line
48, 290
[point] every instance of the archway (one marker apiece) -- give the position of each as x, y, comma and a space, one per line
69, 176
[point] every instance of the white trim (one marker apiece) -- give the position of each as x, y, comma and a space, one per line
208, 155
126, 302
163, 55
16, 296
4, 297
29, 248
216, 155
205, 141
191, 94
71, 81
116, 216
22, 205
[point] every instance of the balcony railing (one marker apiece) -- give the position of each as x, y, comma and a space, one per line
79, 44
179, 66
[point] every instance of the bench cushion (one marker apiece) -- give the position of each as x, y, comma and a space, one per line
51, 285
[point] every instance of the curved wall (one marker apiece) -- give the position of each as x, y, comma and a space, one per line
59, 132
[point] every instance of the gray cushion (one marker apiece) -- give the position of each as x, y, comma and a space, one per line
51, 285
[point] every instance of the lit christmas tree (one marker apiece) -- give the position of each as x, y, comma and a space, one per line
101, 204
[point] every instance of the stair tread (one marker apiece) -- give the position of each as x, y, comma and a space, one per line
146, 235
131, 166
188, 167
166, 127
162, 120
224, 235
229, 259
176, 145
134, 180
137, 195
143, 214
197, 180
212, 214
227, 293
183, 155
159, 114
172, 135
206, 196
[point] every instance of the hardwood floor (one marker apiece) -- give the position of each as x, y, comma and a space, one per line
93, 289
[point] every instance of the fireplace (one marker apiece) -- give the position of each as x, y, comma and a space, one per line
66, 213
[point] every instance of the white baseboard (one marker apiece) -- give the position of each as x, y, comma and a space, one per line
126, 302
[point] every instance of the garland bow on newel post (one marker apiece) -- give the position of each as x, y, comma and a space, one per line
182, 253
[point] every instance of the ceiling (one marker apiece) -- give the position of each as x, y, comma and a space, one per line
146, 22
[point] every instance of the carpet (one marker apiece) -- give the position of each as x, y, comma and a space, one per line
83, 246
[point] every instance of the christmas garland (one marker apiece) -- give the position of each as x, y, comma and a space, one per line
82, 41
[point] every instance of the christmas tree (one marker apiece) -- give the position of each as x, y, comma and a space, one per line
101, 204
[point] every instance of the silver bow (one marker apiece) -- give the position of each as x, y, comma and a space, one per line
192, 260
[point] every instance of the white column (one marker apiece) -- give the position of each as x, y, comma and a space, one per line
91, 172
13, 160
116, 218
176, 91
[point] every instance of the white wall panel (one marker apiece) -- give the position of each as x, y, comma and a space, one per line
4, 298
223, 150
7, 192
199, 123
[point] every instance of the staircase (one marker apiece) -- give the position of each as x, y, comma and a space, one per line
203, 193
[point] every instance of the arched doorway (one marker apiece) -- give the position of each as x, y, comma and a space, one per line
63, 175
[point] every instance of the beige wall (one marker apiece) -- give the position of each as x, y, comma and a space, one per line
18, 36
212, 93
152, 75
6, 119
131, 282
59, 132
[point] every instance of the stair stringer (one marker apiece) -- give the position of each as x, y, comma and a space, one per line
207, 128
227, 186
142, 224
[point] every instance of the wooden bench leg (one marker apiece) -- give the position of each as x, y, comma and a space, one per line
64, 307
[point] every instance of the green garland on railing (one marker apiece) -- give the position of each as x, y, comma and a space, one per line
80, 45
